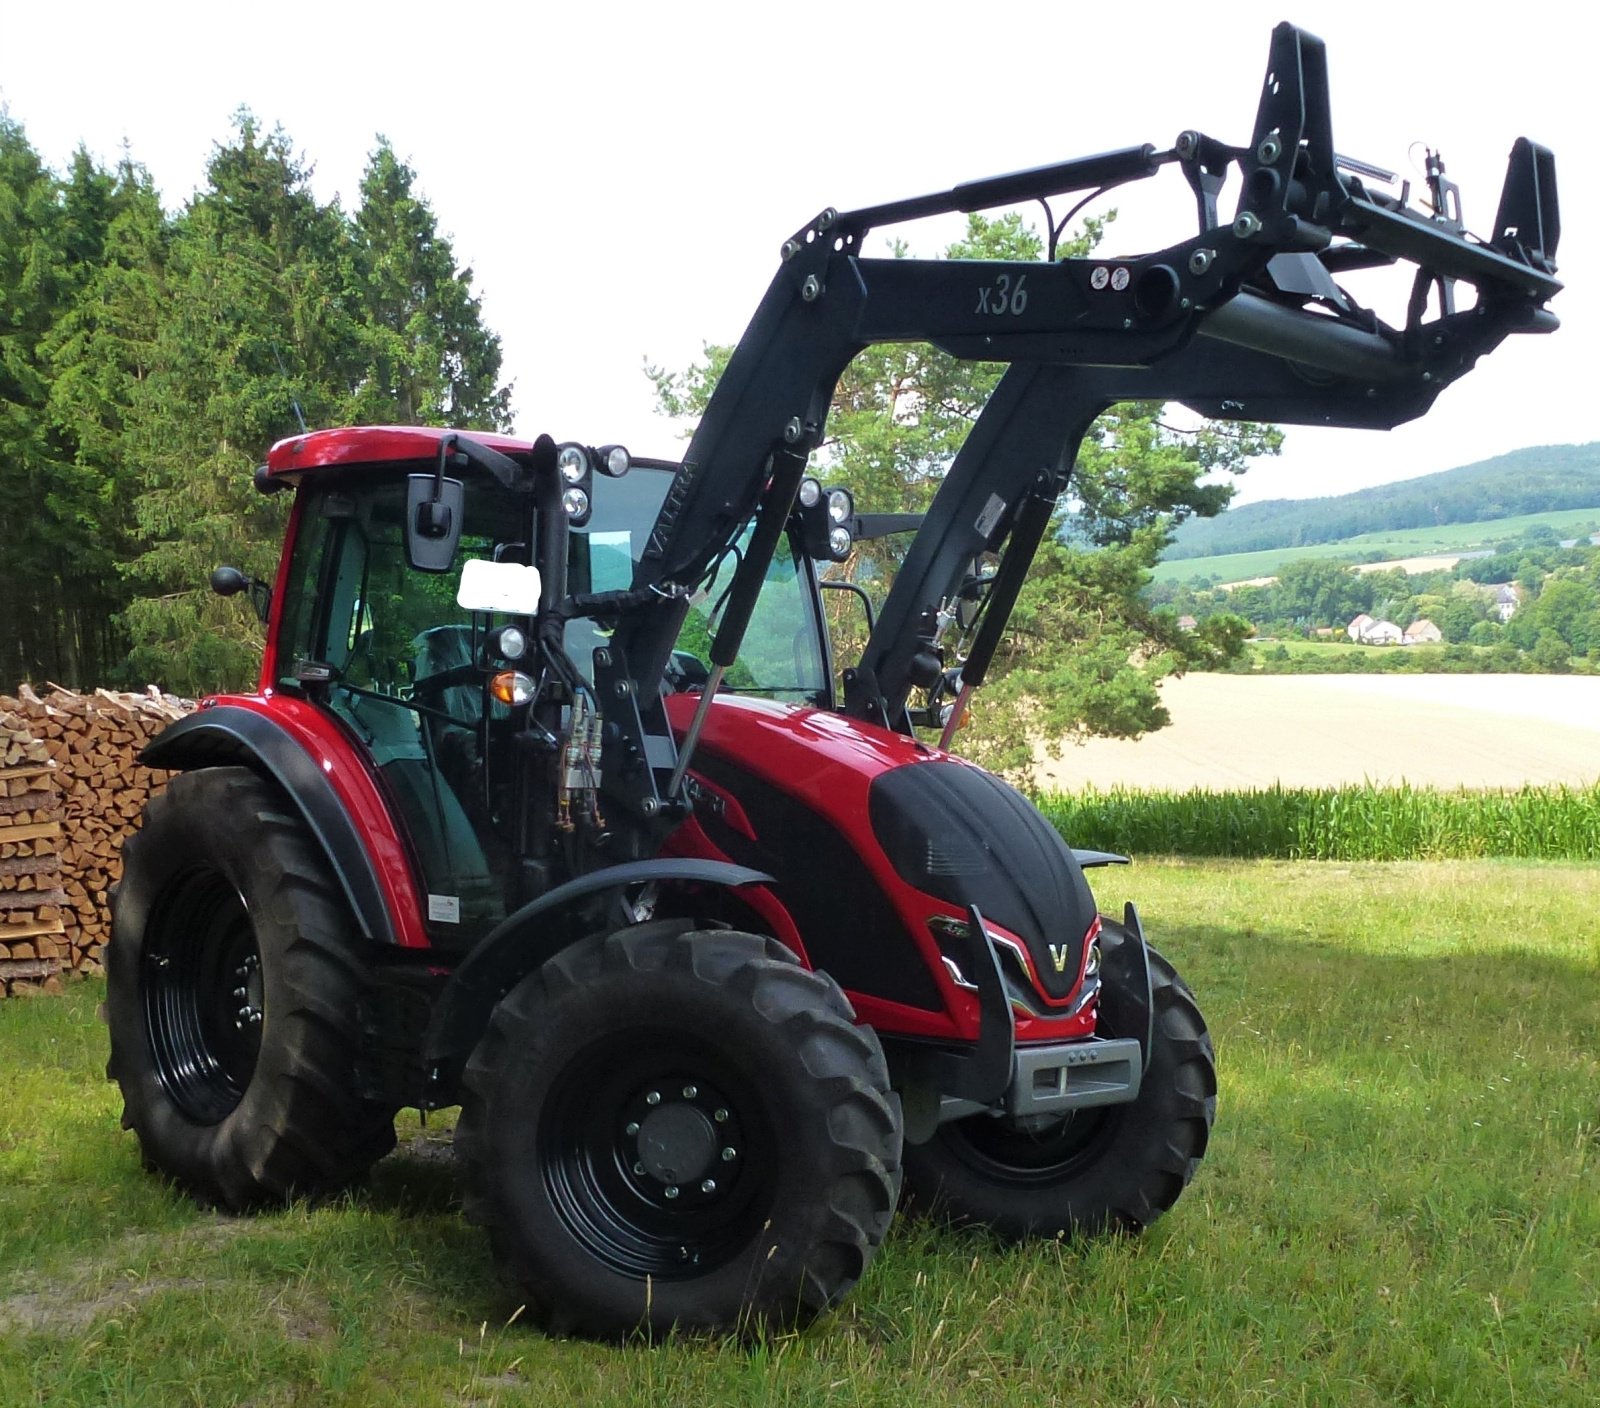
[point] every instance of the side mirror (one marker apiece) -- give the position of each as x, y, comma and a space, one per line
435, 512
230, 581
508, 587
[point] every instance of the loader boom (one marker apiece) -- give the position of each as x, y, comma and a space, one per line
1239, 320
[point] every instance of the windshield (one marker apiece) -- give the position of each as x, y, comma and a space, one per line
355, 605
782, 655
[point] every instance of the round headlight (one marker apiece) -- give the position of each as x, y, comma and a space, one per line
573, 463
510, 643
511, 687
810, 493
1091, 964
839, 542
576, 503
841, 506
617, 461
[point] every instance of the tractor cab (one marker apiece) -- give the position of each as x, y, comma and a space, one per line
427, 675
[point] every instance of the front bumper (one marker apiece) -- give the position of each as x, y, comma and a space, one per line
1058, 1078
999, 1077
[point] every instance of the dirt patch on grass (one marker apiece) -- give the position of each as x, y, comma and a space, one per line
92, 1289
53, 1313
1243, 731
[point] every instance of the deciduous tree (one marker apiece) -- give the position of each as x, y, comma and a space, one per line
1083, 654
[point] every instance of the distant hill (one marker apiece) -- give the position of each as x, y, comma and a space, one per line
1538, 479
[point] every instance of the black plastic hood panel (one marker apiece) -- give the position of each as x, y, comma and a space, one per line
965, 836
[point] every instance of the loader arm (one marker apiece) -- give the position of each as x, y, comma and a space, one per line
1243, 319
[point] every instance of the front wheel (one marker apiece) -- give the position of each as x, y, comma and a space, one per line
1107, 1168
233, 979
667, 1128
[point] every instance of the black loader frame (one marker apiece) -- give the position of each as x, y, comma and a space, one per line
1241, 320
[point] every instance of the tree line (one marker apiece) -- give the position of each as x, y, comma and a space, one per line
1538, 479
1552, 625
148, 359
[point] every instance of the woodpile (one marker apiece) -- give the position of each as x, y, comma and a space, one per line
71, 789
33, 939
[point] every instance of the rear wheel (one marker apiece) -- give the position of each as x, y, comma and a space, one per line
664, 1128
233, 983
1107, 1168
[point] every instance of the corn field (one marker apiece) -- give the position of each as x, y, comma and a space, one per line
1336, 823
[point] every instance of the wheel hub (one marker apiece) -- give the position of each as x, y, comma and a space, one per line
657, 1157
677, 1143
204, 995
681, 1143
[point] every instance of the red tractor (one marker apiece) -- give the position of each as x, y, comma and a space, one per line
548, 805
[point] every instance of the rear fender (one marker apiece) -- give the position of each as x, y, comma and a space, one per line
230, 735
532, 935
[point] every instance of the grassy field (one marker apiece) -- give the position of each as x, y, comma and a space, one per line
1402, 542
1401, 1206
1335, 823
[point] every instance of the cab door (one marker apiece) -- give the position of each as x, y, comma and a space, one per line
399, 659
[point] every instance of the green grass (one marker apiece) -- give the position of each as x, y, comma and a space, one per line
1246, 566
1335, 823
1401, 1205
1400, 542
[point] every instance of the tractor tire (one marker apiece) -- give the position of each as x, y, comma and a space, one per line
233, 978
670, 1129
1103, 1169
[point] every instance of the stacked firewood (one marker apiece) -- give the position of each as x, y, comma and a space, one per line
33, 939
89, 744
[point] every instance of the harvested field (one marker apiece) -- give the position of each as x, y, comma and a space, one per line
1231, 732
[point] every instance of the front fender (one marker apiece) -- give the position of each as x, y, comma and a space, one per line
232, 735
527, 938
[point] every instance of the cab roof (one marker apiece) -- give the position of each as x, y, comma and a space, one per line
374, 445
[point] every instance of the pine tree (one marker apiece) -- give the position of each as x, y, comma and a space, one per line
429, 358
258, 321
98, 352
32, 261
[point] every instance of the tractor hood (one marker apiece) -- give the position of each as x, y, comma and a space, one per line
860, 822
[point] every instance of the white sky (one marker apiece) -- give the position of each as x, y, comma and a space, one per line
619, 177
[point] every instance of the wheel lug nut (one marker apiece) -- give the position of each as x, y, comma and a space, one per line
719, 1114
709, 1186
729, 1155
632, 1127
690, 1091
653, 1098
672, 1192
241, 993
639, 1169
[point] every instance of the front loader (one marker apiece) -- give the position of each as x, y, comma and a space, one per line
553, 803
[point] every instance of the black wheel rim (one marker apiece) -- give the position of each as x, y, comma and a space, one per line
203, 995
657, 1155
1035, 1153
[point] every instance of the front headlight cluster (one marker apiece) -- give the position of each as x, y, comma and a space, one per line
577, 465
827, 521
